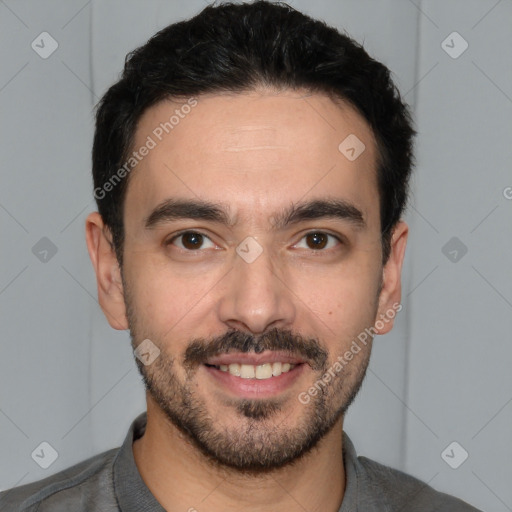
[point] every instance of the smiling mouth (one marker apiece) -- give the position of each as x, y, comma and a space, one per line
250, 371
255, 376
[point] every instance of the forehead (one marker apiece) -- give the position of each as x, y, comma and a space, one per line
254, 151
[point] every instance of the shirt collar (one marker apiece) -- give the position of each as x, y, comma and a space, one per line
134, 496
350, 464
131, 492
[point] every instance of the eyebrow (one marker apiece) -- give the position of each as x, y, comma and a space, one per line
176, 209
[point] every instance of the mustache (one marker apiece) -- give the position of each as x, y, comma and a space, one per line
309, 349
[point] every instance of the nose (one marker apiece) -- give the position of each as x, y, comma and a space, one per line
256, 297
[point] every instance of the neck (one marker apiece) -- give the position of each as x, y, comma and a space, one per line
180, 478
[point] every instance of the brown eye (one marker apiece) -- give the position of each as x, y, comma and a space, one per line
316, 240
192, 241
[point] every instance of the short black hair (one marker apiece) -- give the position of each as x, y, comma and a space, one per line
237, 48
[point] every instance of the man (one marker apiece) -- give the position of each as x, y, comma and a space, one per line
250, 168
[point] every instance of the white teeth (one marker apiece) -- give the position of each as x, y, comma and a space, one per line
247, 371
261, 371
264, 371
234, 369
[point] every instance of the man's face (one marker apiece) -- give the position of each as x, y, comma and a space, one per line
279, 276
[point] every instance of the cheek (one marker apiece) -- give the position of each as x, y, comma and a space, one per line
344, 294
340, 306
166, 300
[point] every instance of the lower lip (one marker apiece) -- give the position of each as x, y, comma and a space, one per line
255, 388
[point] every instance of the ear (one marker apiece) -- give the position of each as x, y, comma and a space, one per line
391, 292
108, 273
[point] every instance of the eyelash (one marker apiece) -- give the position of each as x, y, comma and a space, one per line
180, 234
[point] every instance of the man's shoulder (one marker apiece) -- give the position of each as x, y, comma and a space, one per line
398, 489
74, 488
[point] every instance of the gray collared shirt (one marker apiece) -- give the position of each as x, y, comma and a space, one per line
110, 482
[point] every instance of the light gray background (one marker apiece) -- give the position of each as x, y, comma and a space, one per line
442, 375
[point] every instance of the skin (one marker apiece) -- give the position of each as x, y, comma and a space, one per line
256, 153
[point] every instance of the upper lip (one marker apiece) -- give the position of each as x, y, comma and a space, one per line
267, 356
